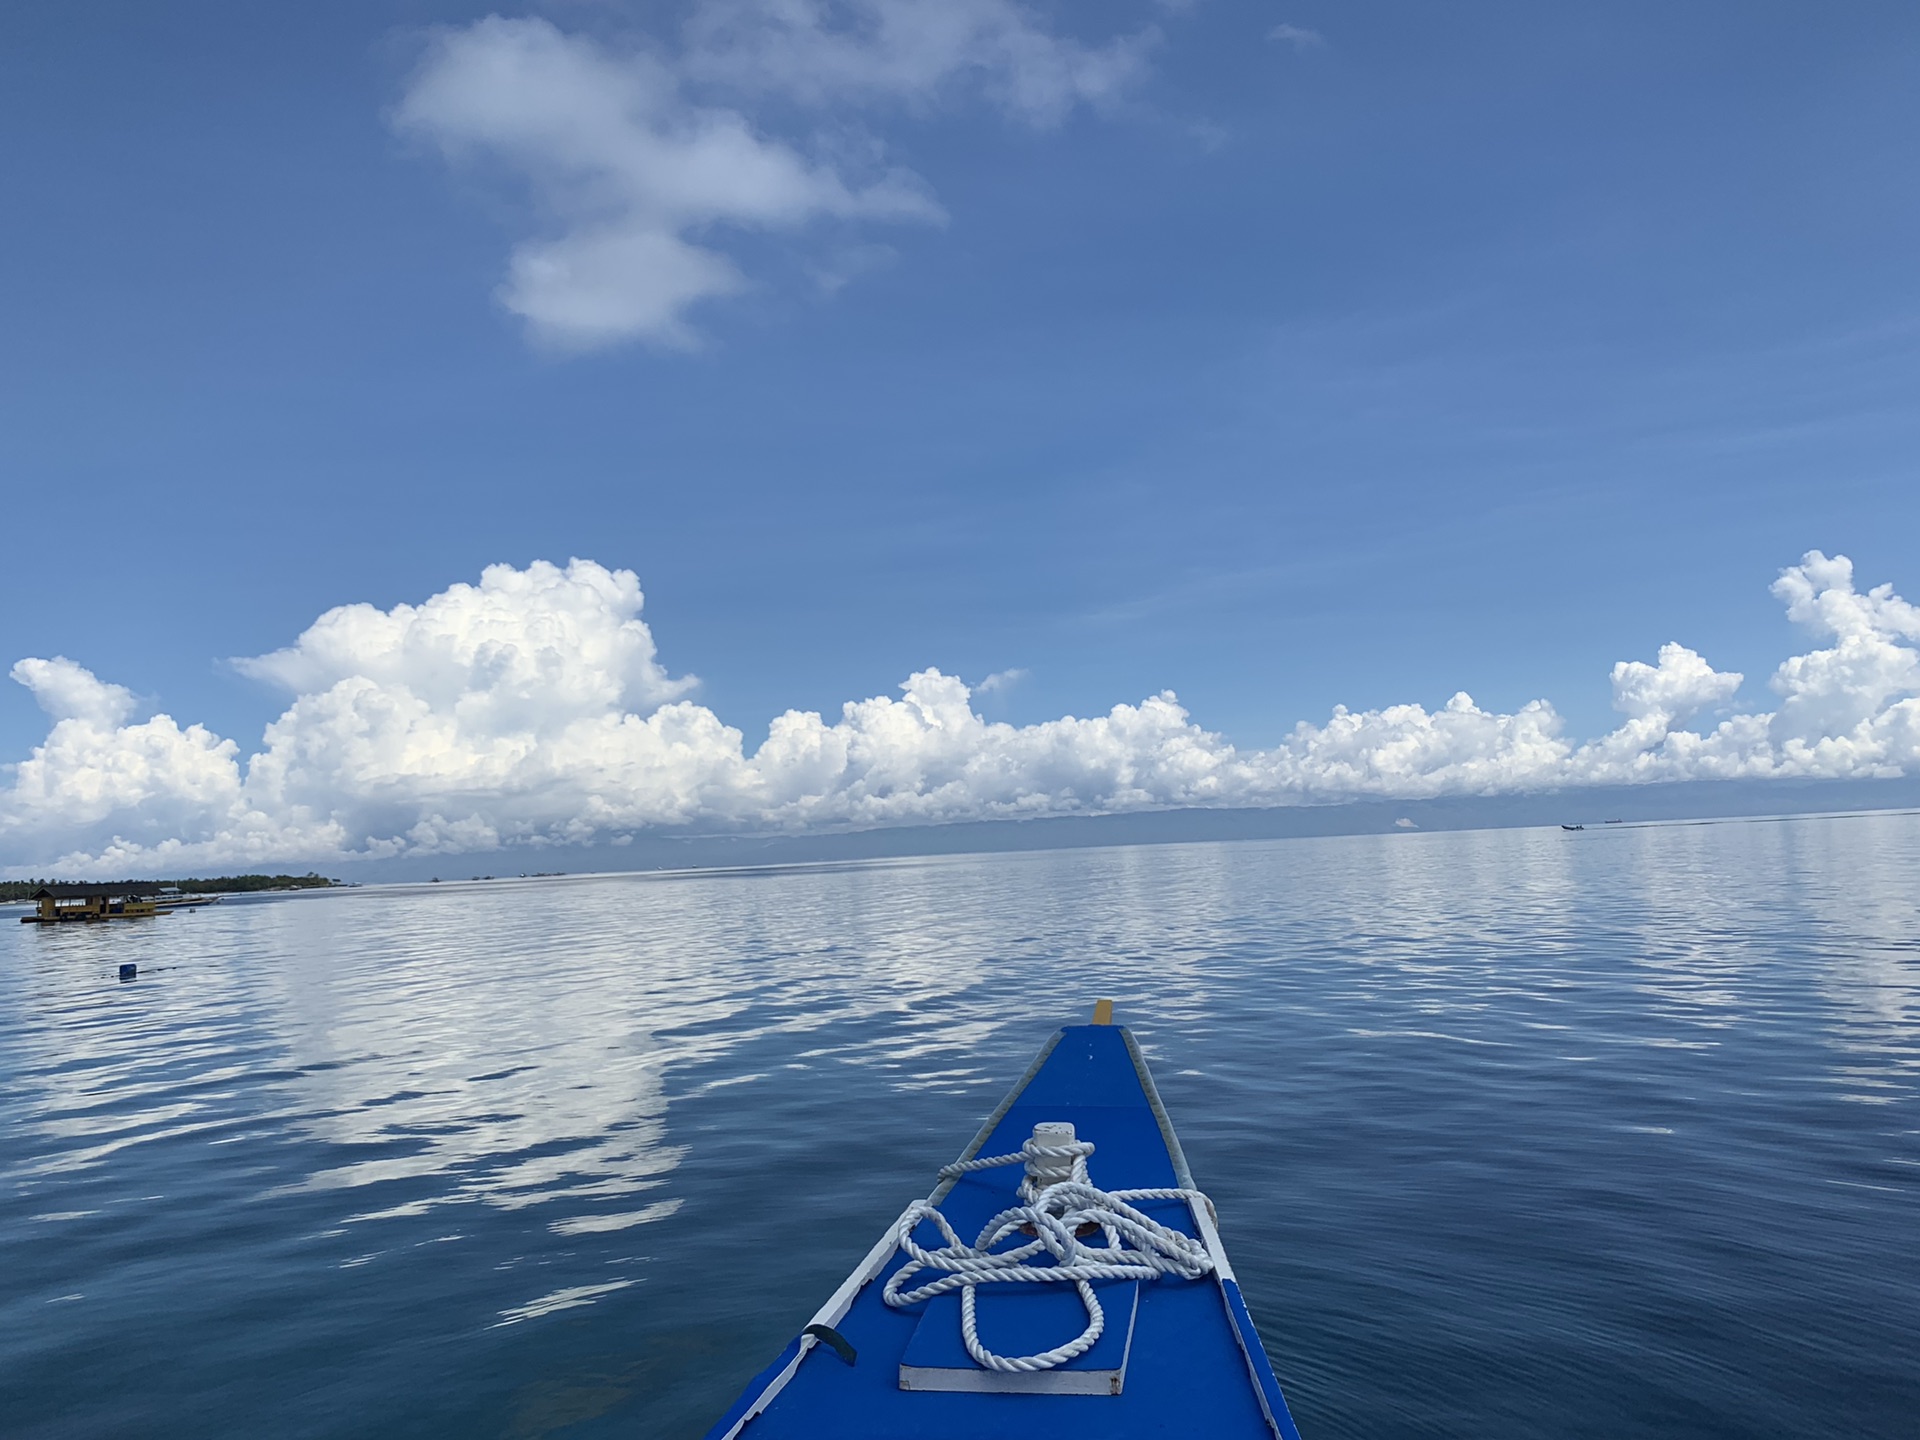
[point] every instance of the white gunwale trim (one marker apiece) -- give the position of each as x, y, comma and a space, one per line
1253, 1369
1203, 1223
1182, 1176
829, 1315
1210, 1234
774, 1387
841, 1301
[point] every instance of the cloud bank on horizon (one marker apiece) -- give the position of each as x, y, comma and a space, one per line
645, 164
532, 710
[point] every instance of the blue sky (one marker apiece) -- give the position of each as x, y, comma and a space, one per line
1308, 355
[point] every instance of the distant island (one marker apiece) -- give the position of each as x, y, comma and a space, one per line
12, 890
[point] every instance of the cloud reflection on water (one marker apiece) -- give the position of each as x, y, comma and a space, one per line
609, 1077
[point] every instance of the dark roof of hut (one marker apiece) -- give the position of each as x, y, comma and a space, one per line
90, 891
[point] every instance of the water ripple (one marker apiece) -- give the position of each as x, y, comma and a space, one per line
1513, 1133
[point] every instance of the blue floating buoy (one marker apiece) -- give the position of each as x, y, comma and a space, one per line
127, 972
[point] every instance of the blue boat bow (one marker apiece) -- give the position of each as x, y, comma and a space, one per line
1173, 1355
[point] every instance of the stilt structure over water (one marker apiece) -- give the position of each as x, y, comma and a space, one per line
121, 900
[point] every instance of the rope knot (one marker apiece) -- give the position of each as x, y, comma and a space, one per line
1060, 1204
1054, 1156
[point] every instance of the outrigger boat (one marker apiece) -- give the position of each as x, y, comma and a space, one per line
1064, 1278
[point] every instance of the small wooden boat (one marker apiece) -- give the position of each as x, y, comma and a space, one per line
1125, 1321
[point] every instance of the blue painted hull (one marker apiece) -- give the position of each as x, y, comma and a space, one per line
1195, 1365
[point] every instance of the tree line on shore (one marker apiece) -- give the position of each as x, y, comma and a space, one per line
211, 885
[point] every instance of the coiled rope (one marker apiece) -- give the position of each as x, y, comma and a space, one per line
1137, 1246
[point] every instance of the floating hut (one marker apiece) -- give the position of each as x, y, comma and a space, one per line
122, 900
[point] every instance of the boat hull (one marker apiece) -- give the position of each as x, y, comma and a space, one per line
1194, 1365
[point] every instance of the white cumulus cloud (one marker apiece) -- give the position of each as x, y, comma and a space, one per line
520, 647
67, 691
628, 171
915, 52
644, 162
1854, 700
532, 709
1298, 36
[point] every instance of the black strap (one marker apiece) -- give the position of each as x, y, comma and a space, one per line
834, 1338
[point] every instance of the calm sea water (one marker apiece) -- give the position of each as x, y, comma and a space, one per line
1513, 1134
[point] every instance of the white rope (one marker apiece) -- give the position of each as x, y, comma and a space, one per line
1137, 1247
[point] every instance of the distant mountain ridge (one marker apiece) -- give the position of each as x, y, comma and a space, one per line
1588, 806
